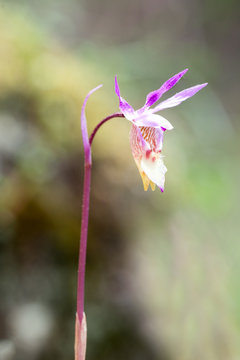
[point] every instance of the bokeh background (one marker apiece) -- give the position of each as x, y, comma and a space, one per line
163, 270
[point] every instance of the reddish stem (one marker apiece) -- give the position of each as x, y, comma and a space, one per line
83, 241
85, 212
101, 123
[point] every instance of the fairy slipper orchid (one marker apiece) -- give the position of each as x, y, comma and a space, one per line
146, 135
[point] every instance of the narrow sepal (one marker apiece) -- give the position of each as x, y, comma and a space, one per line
179, 98
124, 106
155, 95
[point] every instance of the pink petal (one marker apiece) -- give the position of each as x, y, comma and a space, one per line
138, 145
154, 96
179, 97
153, 120
153, 137
144, 144
125, 108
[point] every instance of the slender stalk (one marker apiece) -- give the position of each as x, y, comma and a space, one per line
85, 210
80, 325
83, 241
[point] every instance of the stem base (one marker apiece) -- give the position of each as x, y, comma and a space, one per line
80, 338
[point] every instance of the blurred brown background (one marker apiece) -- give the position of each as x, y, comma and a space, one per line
162, 278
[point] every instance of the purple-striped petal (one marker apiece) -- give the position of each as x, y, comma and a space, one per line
153, 136
153, 120
142, 142
125, 108
138, 145
178, 98
154, 96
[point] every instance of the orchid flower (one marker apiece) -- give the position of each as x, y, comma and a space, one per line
146, 135
146, 139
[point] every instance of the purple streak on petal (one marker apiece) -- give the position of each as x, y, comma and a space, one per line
86, 144
179, 97
154, 96
125, 108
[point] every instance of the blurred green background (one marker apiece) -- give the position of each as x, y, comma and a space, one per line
163, 270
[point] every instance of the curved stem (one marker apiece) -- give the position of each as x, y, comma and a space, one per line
101, 123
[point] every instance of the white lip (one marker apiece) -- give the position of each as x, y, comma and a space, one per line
155, 170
